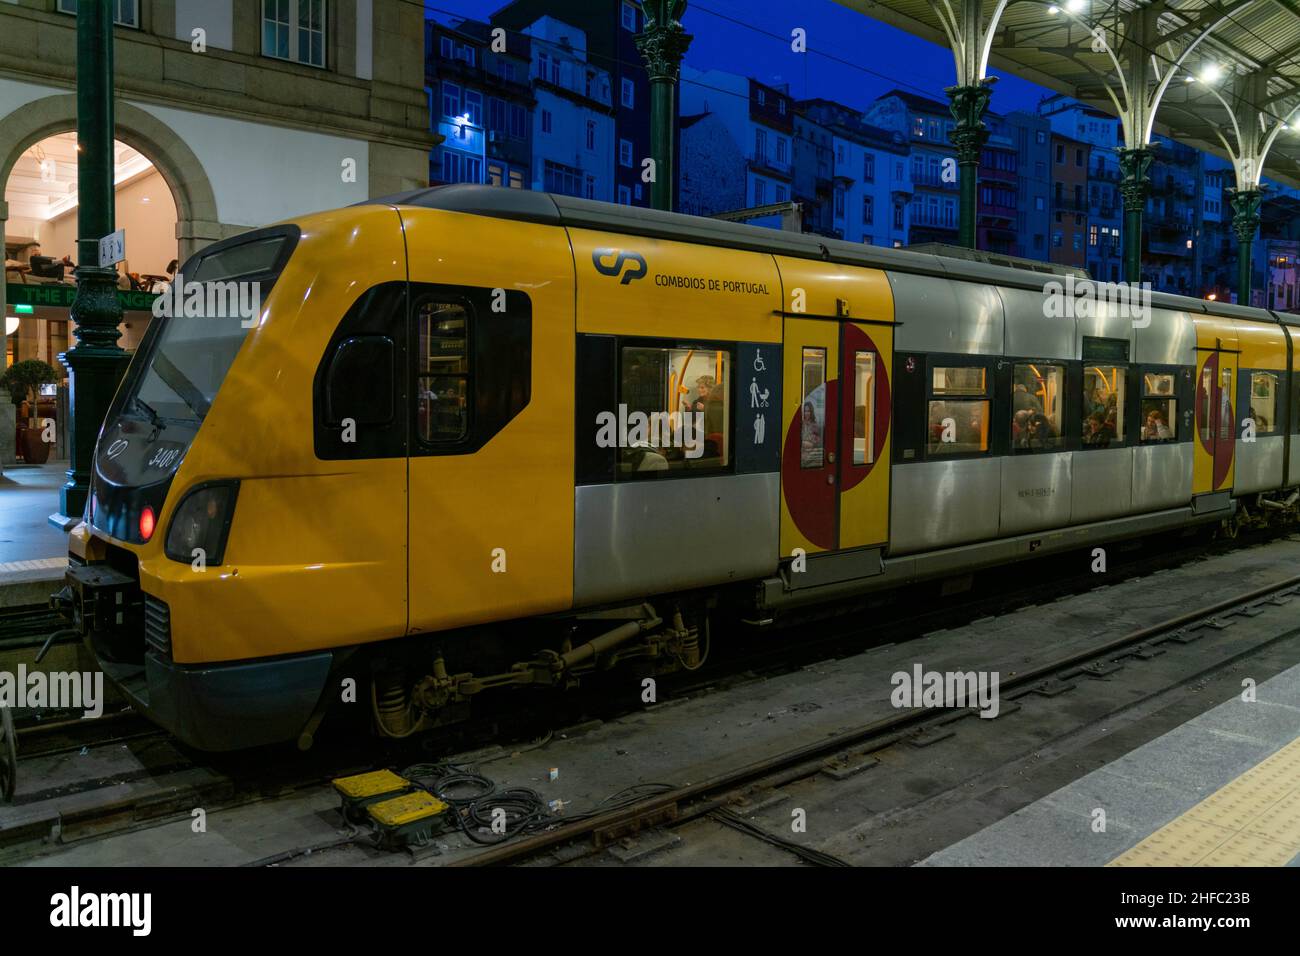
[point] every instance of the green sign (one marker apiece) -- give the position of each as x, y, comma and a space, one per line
61, 296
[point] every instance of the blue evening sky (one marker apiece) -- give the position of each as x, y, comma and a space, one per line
851, 57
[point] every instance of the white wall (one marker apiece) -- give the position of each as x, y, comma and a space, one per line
259, 173
262, 174
215, 17
150, 227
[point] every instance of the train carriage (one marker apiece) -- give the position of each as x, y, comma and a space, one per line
465, 407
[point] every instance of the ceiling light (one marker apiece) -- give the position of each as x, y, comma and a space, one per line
1053, 10
11, 324
1211, 73
1075, 6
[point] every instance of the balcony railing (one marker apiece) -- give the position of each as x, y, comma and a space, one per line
770, 164
932, 180
1069, 204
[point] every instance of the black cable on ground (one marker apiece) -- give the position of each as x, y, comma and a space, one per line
505, 814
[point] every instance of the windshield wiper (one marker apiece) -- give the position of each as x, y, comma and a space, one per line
179, 383
154, 418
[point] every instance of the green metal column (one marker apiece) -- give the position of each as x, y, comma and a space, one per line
95, 364
663, 43
968, 105
1135, 168
1245, 220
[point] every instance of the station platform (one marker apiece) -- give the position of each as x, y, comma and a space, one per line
1222, 789
33, 553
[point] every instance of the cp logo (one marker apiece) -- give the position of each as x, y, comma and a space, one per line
637, 271
116, 448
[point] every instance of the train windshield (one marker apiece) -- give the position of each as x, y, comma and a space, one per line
205, 318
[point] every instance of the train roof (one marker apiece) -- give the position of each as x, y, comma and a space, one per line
965, 265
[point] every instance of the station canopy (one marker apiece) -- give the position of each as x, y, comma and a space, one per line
1249, 37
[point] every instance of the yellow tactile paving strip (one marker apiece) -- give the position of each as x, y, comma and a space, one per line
43, 564
1253, 820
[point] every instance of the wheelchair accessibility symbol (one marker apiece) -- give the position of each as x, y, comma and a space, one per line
759, 365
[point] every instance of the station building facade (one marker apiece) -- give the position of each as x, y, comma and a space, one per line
230, 114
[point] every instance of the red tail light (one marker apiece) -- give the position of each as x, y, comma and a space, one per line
146, 523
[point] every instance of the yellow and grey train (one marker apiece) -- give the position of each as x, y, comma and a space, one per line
565, 433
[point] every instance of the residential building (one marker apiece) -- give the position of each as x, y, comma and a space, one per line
481, 102
997, 198
1217, 245
927, 126
814, 170
871, 185
1171, 219
760, 121
610, 28
1030, 135
711, 161
1068, 204
574, 151
1105, 248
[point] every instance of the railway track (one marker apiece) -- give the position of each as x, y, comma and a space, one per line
717, 795
239, 779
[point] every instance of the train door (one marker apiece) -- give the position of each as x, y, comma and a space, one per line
490, 518
835, 452
866, 352
809, 471
1216, 370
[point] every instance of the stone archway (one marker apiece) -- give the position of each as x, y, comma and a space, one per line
197, 223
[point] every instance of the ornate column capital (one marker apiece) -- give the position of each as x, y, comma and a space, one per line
663, 41
1135, 166
968, 105
1245, 213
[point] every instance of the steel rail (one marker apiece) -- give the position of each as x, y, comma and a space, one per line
801, 761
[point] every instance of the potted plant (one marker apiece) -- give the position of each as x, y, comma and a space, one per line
24, 380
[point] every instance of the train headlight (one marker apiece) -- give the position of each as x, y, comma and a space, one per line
202, 521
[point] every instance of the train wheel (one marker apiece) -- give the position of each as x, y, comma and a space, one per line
8, 756
1231, 527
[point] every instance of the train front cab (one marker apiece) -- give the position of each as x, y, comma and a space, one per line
307, 551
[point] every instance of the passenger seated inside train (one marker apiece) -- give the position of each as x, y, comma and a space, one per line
1154, 428
961, 423
641, 457
1098, 430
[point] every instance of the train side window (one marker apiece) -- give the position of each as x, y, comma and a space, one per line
1159, 408
864, 407
1263, 402
958, 411
1037, 394
674, 411
812, 410
1227, 428
1103, 405
442, 371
